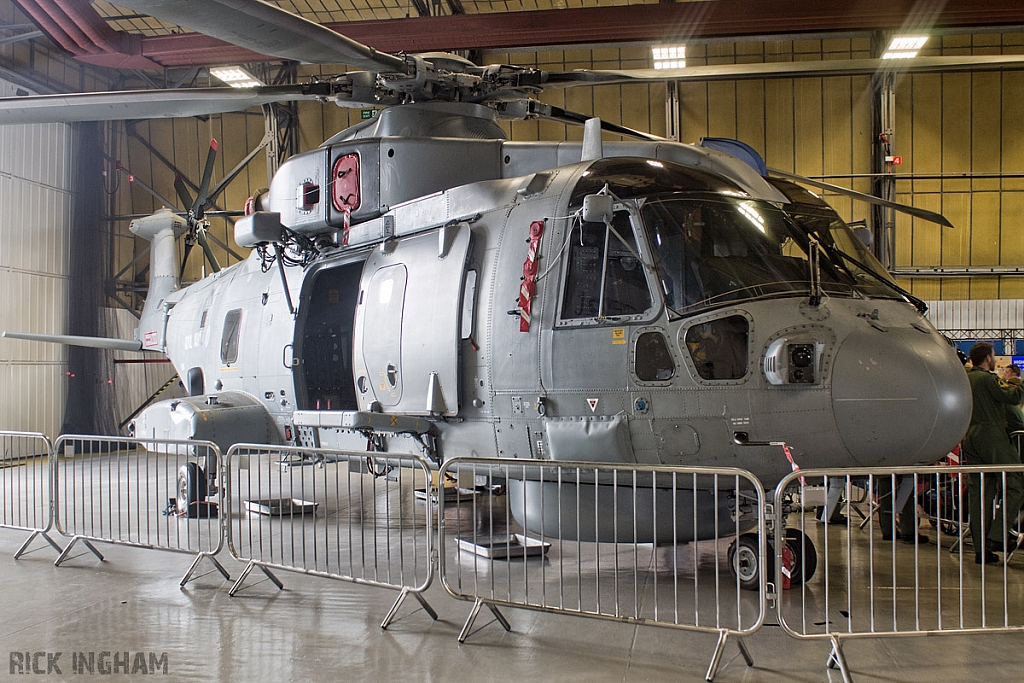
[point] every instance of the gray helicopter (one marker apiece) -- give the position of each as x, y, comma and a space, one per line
421, 284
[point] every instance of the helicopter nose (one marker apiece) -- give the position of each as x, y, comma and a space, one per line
899, 397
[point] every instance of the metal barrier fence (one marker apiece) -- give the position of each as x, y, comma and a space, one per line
27, 503
909, 577
606, 541
165, 495
357, 517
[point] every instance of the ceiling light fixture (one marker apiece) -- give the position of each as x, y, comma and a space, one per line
904, 47
235, 76
669, 56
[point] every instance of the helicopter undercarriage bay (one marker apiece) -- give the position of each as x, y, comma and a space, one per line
622, 310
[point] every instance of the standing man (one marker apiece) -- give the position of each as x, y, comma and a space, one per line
987, 443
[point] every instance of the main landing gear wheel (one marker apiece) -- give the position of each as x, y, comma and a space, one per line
744, 561
805, 557
191, 486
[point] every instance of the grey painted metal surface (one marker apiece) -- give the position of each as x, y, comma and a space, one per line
516, 383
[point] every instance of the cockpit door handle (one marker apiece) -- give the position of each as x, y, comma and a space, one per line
293, 362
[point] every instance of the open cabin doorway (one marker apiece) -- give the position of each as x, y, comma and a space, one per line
323, 339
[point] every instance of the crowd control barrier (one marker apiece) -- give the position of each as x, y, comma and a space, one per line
164, 495
27, 503
886, 578
352, 516
605, 541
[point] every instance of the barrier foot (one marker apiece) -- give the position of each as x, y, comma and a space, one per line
473, 614
36, 534
837, 658
67, 551
875, 507
716, 658
398, 603
248, 568
199, 558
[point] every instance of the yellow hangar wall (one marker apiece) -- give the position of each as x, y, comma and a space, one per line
960, 136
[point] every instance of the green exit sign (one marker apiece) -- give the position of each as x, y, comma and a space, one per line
367, 113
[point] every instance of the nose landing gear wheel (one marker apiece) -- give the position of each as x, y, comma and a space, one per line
191, 486
744, 561
805, 557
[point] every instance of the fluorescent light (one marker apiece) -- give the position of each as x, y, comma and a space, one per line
669, 56
235, 76
904, 47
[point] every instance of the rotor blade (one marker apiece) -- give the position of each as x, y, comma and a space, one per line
540, 110
204, 184
201, 237
829, 67
145, 104
923, 214
184, 259
183, 194
269, 30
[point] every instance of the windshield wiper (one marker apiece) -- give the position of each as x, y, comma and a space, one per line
920, 305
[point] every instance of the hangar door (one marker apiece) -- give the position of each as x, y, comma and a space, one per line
408, 319
35, 230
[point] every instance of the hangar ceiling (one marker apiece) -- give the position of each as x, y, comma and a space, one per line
108, 35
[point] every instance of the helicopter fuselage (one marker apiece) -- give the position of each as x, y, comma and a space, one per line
493, 318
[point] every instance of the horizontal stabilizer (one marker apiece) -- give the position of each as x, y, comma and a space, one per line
74, 340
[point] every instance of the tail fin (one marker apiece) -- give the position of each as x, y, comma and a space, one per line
162, 229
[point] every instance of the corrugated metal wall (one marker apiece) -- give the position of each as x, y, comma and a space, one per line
36, 202
979, 319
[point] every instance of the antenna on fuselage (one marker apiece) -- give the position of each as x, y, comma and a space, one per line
592, 145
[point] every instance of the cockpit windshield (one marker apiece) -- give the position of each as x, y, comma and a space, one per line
712, 243
713, 250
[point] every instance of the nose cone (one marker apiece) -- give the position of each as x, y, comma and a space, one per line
900, 397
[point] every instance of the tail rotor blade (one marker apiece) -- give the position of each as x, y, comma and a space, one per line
204, 185
205, 244
183, 194
184, 258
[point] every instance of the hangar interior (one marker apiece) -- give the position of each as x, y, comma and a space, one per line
954, 133
949, 141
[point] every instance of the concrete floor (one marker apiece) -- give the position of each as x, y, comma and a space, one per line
318, 629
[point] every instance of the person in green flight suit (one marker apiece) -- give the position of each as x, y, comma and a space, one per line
987, 443
1014, 414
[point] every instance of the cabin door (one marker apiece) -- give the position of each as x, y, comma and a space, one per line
408, 319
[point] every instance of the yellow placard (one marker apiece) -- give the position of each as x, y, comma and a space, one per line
618, 335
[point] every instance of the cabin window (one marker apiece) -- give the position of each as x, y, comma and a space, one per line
719, 347
605, 276
229, 338
653, 359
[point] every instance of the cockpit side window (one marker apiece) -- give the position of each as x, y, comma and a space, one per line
719, 348
605, 276
653, 361
229, 338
